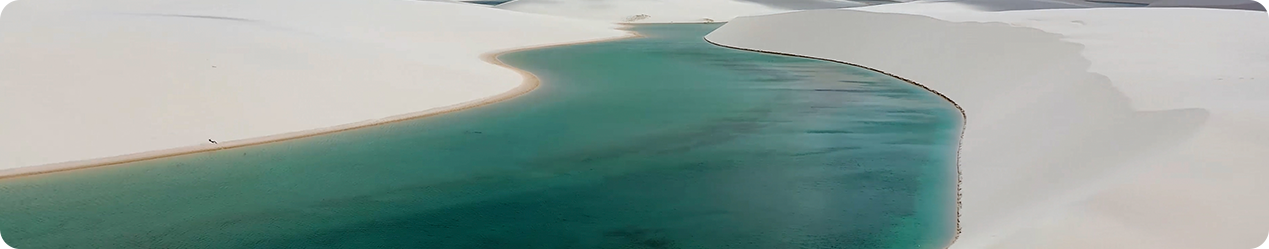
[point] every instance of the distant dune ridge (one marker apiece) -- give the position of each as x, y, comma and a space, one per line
675, 11
644, 11
1002, 5
1222, 4
87, 79
1087, 128
816, 4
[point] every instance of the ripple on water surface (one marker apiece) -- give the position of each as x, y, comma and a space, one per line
657, 142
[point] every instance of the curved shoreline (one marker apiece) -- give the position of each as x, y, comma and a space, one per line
529, 83
961, 136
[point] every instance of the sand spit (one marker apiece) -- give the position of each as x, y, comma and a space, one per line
84, 82
529, 83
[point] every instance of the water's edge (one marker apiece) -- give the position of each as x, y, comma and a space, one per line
529, 83
961, 137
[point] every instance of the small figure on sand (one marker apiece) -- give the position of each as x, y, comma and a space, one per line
212, 141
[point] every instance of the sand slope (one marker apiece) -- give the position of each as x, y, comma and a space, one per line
89, 79
1087, 128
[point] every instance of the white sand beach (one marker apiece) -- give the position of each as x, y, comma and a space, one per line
1087, 128
85, 80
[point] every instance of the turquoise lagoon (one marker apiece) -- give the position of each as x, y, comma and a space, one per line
663, 141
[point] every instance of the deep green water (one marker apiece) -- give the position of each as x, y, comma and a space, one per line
658, 142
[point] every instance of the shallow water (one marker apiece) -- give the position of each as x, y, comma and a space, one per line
657, 142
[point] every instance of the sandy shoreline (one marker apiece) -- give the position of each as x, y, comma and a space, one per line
1073, 144
205, 70
528, 84
960, 136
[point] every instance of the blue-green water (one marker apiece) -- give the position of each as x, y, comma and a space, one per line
657, 142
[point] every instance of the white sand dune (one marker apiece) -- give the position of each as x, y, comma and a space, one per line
1087, 128
643, 11
87, 79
